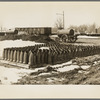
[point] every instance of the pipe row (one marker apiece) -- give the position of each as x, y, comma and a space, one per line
57, 53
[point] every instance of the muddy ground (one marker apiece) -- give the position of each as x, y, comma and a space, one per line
88, 72
84, 70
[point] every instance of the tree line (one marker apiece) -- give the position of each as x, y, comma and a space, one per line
86, 28
81, 29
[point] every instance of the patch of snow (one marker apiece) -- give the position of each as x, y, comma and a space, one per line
88, 37
44, 74
52, 79
36, 69
85, 66
11, 75
44, 48
95, 62
54, 36
68, 68
15, 43
59, 65
80, 71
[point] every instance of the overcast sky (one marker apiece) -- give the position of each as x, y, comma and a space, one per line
40, 14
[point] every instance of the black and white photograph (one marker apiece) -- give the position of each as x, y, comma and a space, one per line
50, 43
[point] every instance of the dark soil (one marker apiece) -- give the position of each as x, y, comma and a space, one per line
76, 76
40, 38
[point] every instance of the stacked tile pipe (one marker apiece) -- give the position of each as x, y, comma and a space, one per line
52, 53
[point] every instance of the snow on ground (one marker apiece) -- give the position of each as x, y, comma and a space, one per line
63, 64
15, 43
54, 36
44, 74
44, 48
68, 68
80, 36
88, 37
85, 66
11, 75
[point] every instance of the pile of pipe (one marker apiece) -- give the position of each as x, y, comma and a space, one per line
50, 53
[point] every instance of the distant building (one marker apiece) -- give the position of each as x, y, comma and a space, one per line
34, 30
54, 30
8, 32
2, 33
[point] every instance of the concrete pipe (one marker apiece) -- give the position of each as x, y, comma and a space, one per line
25, 59
18, 56
11, 55
49, 57
30, 58
9, 51
15, 56
6, 54
21, 56
3, 54
42, 57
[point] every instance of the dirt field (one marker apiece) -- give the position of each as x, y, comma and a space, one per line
84, 70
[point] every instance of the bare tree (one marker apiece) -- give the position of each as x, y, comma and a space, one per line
91, 28
84, 28
59, 24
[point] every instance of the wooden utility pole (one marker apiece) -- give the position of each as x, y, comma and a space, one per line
63, 20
